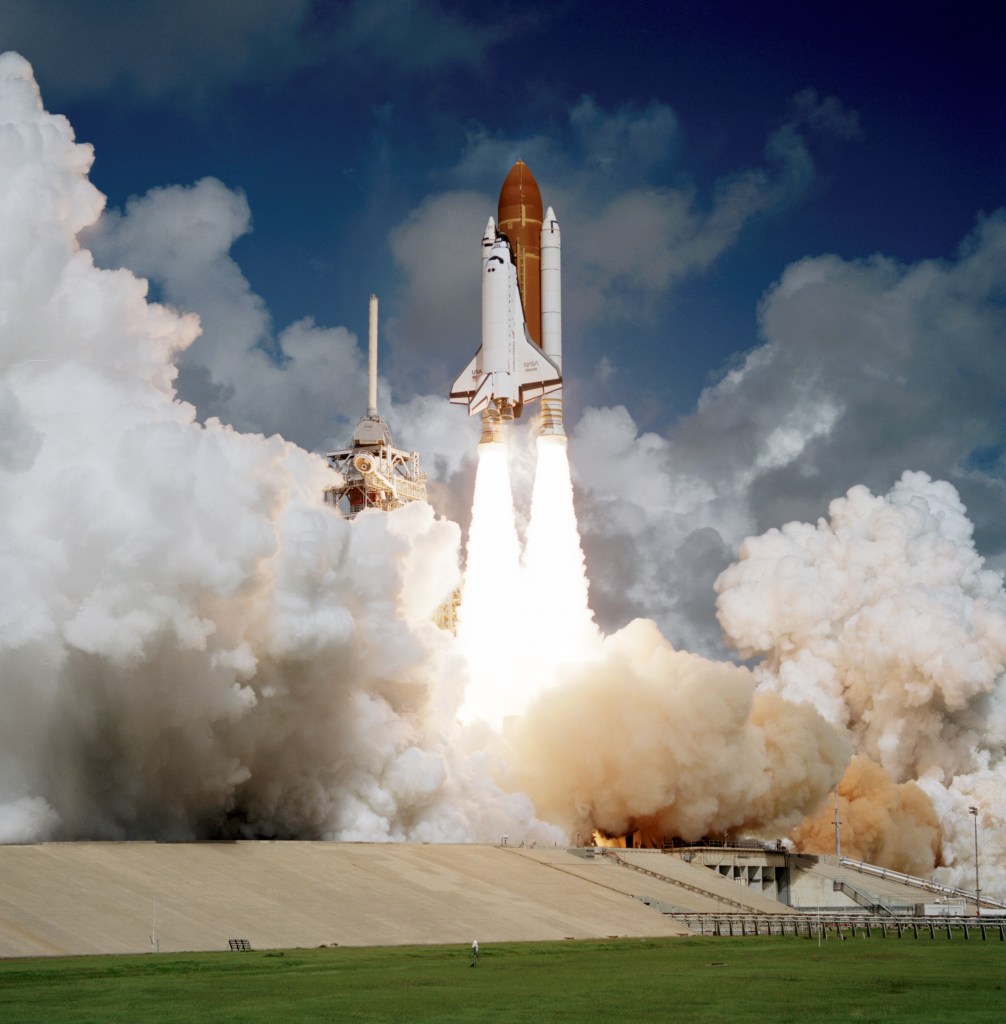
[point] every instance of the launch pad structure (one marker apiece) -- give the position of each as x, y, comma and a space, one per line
148, 897
374, 473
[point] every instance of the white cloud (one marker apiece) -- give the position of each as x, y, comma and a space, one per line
828, 116
309, 383
867, 367
439, 326
419, 35
187, 51
180, 49
191, 642
626, 142
628, 238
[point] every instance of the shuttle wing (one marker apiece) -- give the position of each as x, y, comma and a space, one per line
537, 375
468, 381
485, 392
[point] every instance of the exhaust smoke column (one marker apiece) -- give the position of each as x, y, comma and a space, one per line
563, 630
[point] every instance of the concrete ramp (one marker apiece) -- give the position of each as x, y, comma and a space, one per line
821, 877
664, 880
721, 894
68, 898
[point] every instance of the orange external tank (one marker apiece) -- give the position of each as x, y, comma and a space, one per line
519, 218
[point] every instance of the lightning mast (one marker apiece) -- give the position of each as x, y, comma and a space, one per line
375, 474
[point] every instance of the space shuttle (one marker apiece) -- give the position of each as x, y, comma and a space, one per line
520, 358
509, 369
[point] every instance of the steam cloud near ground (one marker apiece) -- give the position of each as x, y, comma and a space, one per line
884, 618
191, 644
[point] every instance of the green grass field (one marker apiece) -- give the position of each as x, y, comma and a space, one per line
701, 979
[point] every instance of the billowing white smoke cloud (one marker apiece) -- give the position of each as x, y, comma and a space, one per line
884, 618
191, 642
646, 737
619, 733
181, 239
866, 368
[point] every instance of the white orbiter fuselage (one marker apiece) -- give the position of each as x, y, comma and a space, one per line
509, 369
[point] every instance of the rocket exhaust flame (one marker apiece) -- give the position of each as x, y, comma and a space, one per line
490, 626
555, 576
522, 621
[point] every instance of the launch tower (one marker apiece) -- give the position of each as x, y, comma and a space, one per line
375, 474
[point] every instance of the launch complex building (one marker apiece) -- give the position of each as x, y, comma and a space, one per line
91, 898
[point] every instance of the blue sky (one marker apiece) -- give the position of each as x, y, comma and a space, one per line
711, 165
337, 120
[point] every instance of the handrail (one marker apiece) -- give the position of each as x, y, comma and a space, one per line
862, 897
809, 923
608, 852
918, 883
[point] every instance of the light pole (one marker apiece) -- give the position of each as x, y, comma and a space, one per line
838, 830
978, 891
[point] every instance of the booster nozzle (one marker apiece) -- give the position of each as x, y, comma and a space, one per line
492, 427
551, 417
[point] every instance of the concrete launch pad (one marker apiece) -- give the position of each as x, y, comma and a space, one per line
70, 898
75, 898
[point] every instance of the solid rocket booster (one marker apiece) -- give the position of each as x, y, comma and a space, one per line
551, 320
521, 354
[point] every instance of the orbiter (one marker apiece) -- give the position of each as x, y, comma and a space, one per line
521, 354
